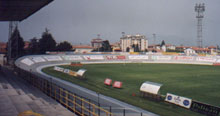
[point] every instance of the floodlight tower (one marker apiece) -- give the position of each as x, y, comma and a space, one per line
199, 8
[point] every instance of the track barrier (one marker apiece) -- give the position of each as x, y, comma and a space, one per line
72, 101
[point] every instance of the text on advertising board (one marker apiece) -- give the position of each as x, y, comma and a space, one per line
178, 100
205, 109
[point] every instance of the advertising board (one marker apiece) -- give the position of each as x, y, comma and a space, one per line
117, 84
161, 57
80, 72
113, 57
93, 57
108, 81
66, 71
138, 57
72, 57
205, 59
205, 109
56, 68
178, 100
218, 60
72, 73
53, 58
189, 58
38, 59
27, 61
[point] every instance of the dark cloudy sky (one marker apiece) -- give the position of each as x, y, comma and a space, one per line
78, 21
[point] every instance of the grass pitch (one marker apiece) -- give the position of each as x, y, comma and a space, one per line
199, 82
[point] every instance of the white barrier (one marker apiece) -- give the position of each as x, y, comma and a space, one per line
53, 58
218, 60
138, 57
38, 59
120, 59
188, 58
205, 59
161, 58
27, 61
56, 68
93, 57
115, 57
72, 57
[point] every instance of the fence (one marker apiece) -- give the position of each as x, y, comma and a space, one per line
73, 102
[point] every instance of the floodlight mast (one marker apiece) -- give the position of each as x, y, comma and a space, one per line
199, 8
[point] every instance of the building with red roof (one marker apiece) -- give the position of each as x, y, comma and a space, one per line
82, 48
3, 48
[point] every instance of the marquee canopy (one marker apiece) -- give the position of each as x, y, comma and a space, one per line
18, 10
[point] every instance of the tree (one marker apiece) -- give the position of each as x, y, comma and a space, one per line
64, 46
47, 42
162, 43
136, 48
127, 49
17, 44
106, 47
34, 47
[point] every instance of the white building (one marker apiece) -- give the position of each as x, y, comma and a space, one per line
82, 49
189, 51
130, 43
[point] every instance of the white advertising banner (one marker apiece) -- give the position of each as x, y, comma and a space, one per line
190, 58
38, 59
27, 61
53, 58
93, 57
56, 68
66, 71
205, 59
72, 57
161, 57
138, 57
178, 100
218, 60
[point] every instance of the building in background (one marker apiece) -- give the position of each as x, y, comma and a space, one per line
116, 47
97, 42
3, 48
26, 45
82, 48
189, 51
133, 43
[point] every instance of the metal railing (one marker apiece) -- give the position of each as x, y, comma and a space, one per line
73, 102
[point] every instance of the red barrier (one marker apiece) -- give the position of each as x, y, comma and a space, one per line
117, 84
216, 64
108, 81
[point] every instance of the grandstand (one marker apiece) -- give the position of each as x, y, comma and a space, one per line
17, 96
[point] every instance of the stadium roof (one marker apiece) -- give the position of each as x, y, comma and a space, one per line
18, 10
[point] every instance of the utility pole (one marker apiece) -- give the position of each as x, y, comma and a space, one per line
154, 40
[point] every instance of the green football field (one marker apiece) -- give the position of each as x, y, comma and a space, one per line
198, 82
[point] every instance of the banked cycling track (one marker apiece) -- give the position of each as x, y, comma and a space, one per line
34, 64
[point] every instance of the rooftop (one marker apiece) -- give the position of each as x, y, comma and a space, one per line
82, 47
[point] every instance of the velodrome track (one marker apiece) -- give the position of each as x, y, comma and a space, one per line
35, 63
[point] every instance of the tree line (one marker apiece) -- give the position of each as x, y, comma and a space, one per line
36, 46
